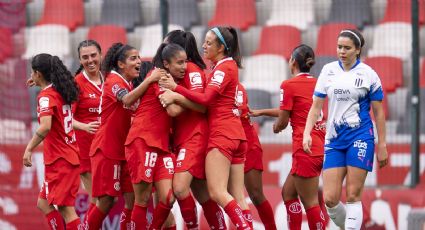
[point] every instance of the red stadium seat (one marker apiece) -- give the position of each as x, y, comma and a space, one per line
389, 70
279, 40
422, 76
400, 11
106, 35
240, 14
327, 37
6, 44
69, 13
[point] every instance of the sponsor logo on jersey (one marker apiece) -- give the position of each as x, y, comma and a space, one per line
362, 146
181, 155
195, 79
43, 102
239, 98
217, 78
168, 164
341, 91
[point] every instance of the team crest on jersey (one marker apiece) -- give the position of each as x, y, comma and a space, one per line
195, 79
148, 173
44, 104
168, 164
115, 89
117, 186
358, 82
218, 77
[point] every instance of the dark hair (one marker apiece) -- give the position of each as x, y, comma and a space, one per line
165, 52
86, 43
145, 67
188, 42
54, 71
117, 52
230, 37
304, 57
357, 40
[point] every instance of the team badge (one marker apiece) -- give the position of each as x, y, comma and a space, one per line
117, 186
148, 173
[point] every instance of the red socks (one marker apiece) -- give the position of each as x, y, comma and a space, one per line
89, 209
189, 212
294, 214
159, 216
95, 218
125, 219
74, 225
248, 217
234, 211
265, 212
213, 214
315, 218
55, 220
138, 217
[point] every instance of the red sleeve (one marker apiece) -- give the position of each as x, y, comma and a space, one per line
201, 98
219, 80
46, 103
286, 97
119, 89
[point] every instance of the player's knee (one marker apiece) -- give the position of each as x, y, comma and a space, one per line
256, 196
169, 199
331, 201
180, 191
43, 206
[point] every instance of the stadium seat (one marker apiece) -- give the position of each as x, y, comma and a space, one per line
357, 12
13, 15
422, 76
152, 38
240, 14
6, 44
327, 38
52, 39
264, 72
401, 11
125, 13
259, 99
69, 13
320, 62
106, 35
299, 13
404, 124
184, 13
279, 40
392, 39
389, 70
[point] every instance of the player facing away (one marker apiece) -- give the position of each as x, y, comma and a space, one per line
254, 164
190, 138
60, 151
147, 146
303, 179
110, 174
86, 115
227, 142
352, 88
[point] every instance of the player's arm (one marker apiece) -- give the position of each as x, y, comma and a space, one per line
282, 121
313, 116
90, 127
128, 98
173, 110
37, 138
273, 112
379, 113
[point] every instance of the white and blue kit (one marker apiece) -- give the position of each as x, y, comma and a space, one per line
349, 130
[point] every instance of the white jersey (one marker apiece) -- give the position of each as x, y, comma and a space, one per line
350, 94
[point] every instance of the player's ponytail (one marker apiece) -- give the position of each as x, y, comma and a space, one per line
116, 53
228, 37
304, 57
55, 72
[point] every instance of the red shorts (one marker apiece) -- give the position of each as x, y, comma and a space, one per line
191, 156
84, 141
110, 176
305, 165
148, 164
254, 157
57, 190
233, 149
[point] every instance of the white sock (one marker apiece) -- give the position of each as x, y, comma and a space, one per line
354, 217
337, 214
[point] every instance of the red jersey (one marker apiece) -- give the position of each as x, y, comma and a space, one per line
296, 95
60, 141
242, 100
190, 122
86, 109
115, 119
151, 121
223, 113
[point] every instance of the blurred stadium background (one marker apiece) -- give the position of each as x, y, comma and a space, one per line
269, 30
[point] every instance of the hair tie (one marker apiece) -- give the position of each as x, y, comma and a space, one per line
220, 36
355, 35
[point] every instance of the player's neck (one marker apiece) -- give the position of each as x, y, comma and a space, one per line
94, 77
44, 84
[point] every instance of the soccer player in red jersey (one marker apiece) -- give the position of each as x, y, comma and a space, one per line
147, 145
60, 151
303, 180
190, 140
227, 142
109, 168
254, 164
86, 110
